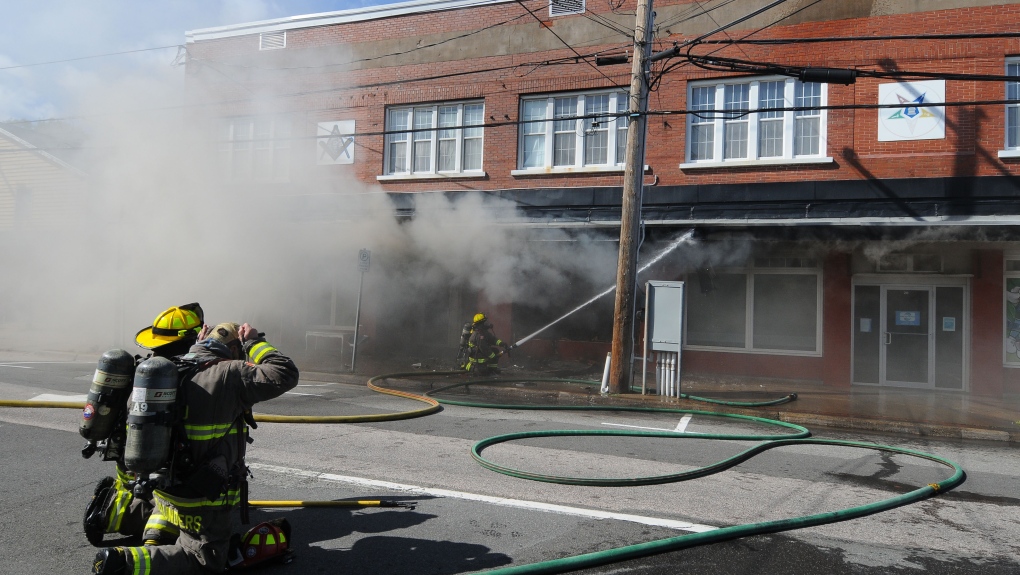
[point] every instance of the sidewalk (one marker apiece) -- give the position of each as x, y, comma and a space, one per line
918, 412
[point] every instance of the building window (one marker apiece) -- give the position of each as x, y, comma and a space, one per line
724, 125
436, 139
564, 7
773, 307
1013, 110
256, 149
576, 137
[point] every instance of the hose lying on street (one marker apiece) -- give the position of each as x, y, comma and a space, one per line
800, 436
796, 435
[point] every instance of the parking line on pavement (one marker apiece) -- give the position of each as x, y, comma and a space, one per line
506, 502
56, 397
682, 426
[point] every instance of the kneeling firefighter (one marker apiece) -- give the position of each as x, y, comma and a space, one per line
186, 440
114, 508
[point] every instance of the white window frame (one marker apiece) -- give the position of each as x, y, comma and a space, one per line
751, 121
749, 274
1011, 145
249, 145
457, 133
612, 127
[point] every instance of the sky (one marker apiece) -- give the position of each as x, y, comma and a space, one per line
36, 31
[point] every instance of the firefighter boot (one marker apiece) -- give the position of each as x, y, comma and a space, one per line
95, 512
109, 561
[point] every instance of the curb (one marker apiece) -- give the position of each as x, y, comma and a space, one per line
934, 430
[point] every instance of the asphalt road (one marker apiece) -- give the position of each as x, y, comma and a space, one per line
469, 519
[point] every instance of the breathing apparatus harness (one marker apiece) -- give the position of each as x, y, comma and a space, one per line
135, 414
202, 476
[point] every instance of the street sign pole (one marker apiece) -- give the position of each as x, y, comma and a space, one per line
364, 259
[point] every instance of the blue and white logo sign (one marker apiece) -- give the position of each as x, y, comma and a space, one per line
913, 118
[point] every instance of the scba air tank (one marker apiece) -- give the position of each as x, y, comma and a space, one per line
151, 416
107, 399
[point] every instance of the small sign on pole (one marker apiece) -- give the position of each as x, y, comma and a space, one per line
364, 258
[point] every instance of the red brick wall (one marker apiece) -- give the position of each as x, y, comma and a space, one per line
754, 365
986, 371
973, 134
837, 319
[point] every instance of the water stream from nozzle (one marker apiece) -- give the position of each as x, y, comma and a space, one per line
672, 246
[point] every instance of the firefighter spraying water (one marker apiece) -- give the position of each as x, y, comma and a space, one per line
669, 249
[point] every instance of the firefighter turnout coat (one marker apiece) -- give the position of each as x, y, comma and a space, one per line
211, 481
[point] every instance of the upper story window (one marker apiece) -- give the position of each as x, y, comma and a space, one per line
572, 135
563, 7
256, 149
434, 140
1013, 110
725, 126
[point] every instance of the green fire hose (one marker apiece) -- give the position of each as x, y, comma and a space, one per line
796, 436
800, 436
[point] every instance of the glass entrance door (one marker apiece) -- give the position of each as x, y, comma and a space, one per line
907, 349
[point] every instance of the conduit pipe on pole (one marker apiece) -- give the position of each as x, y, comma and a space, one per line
622, 368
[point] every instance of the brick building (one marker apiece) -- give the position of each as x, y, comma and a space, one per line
845, 243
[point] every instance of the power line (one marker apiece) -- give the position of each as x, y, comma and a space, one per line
608, 116
89, 57
564, 42
781, 41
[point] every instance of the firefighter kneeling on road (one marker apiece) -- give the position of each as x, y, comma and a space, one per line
484, 348
188, 451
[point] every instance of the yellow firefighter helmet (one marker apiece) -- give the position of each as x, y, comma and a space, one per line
172, 325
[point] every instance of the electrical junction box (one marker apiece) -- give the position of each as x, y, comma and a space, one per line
664, 316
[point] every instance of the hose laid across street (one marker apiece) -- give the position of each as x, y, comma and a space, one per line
625, 553
797, 436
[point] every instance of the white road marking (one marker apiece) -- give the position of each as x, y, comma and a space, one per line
636, 427
55, 397
503, 501
296, 393
682, 426
17, 366
8, 363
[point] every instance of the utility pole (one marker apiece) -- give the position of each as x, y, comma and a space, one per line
622, 359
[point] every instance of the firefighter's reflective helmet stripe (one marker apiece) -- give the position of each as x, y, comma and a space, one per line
256, 539
209, 432
259, 350
139, 560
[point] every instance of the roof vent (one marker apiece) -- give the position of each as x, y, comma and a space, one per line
273, 40
563, 7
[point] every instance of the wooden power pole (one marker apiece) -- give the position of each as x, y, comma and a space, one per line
622, 360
